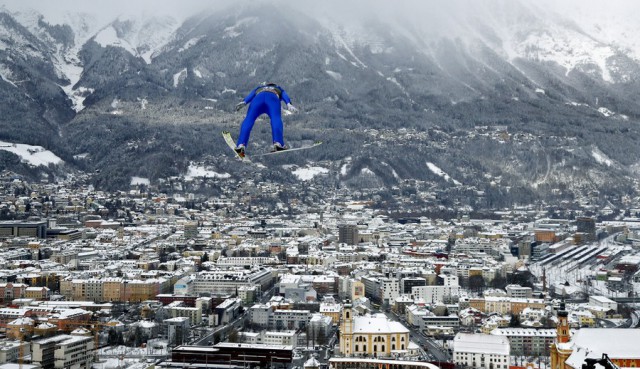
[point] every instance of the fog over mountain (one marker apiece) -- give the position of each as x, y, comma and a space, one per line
487, 103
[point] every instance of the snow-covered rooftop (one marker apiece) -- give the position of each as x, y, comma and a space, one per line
481, 343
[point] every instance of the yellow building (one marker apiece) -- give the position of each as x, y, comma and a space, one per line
505, 305
585, 318
500, 305
477, 303
332, 310
371, 335
20, 328
112, 289
78, 292
138, 290
37, 293
518, 305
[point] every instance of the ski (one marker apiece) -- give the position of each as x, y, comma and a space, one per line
317, 143
232, 145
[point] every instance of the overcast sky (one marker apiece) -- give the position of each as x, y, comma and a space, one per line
54, 10
582, 11
110, 8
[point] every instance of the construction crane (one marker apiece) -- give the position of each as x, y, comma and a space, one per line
95, 327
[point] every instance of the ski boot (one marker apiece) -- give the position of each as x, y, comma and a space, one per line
240, 150
277, 146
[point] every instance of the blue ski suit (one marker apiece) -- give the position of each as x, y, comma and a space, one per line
264, 100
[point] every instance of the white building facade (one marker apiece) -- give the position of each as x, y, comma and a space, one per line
481, 351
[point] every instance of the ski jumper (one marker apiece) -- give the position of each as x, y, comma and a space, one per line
264, 100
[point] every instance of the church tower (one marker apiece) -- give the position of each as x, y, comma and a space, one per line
346, 329
560, 350
562, 330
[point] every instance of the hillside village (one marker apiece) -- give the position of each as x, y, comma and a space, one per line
252, 278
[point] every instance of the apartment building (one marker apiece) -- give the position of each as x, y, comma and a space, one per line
517, 291
434, 294
526, 341
289, 319
10, 350
63, 351
226, 281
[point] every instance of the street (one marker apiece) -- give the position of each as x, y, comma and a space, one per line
434, 352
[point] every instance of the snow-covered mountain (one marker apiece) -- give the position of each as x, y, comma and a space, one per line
122, 90
515, 32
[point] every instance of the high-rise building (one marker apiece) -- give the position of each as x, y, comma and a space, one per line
587, 226
348, 233
406, 284
191, 230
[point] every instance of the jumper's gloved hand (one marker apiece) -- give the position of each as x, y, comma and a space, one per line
291, 108
240, 105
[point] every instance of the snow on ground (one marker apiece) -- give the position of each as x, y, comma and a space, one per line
196, 171
190, 43
114, 357
179, 77
5, 73
573, 103
115, 363
395, 174
335, 75
343, 169
140, 181
33, 155
77, 96
432, 167
601, 157
109, 37
233, 31
606, 112
307, 173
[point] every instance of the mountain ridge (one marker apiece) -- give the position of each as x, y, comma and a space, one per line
150, 109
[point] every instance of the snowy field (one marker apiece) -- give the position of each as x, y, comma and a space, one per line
307, 173
196, 171
32, 155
